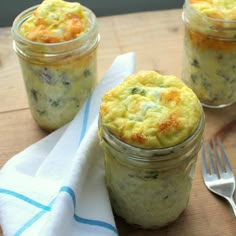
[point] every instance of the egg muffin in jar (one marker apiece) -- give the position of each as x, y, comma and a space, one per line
151, 129
209, 61
56, 44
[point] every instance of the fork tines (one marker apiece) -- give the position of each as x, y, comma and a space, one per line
213, 152
220, 178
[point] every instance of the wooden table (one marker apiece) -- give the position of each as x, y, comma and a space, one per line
157, 39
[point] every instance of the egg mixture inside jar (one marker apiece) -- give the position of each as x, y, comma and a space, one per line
209, 61
56, 44
150, 127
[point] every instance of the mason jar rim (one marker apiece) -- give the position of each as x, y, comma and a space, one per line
140, 153
210, 19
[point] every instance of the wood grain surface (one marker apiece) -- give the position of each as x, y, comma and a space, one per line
157, 39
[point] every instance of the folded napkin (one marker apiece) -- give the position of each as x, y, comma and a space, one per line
56, 186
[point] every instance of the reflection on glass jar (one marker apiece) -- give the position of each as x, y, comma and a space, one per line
58, 76
150, 188
209, 60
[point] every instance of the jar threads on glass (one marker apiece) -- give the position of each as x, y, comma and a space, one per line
150, 188
209, 58
58, 77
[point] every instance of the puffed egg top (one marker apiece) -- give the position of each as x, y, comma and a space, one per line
55, 21
150, 110
217, 9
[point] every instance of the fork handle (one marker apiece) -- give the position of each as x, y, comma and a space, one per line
232, 203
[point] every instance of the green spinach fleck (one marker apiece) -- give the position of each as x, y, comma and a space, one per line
87, 73
139, 91
34, 94
195, 63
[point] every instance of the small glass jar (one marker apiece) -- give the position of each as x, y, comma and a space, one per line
209, 58
149, 188
58, 77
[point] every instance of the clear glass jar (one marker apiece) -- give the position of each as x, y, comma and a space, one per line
209, 59
58, 77
149, 188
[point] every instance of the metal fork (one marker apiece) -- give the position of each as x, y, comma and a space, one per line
220, 178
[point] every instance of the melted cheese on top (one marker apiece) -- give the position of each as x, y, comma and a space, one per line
150, 110
54, 21
218, 9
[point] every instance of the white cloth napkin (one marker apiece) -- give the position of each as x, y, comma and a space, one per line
56, 186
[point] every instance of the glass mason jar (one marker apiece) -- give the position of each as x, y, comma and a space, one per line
58, 77
209, 58
150, 188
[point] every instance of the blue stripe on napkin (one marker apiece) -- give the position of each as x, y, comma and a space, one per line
47, 208
85, 119
29, 223
32, 221
70, 192
95, 223
84, 220
26, 199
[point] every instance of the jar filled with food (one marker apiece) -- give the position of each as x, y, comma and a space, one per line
56, 45
209, 61
151, 128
